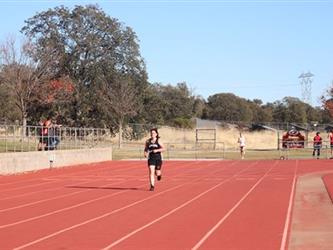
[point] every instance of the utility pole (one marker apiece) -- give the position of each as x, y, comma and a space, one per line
306, 80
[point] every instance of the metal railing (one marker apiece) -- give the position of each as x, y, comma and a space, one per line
304, 150
14, 138
173, 151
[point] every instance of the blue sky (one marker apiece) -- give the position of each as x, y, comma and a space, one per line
254, 49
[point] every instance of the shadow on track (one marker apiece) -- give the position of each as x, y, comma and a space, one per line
110, 188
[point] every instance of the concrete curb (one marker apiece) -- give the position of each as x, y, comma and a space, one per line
20, 162
312, 216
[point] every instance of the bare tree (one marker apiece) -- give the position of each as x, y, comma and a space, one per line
120, 98
23, 76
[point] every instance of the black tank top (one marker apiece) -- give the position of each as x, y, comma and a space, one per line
150, 146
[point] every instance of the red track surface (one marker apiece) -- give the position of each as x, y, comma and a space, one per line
197, 205
328, 180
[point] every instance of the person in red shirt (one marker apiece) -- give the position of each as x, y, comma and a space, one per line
44, 133
317, 142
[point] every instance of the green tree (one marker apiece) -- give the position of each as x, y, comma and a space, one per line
168, 104
261, 113
92, 49
228, 107
292, 109
198, 106
22, 76
295, 110
153, 104
121, 97
327, 105
9, 112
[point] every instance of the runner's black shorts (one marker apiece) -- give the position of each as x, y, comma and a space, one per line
156, 162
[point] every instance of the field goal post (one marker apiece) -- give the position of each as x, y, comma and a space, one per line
207, 135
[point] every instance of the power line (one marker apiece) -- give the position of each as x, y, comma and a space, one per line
306, 80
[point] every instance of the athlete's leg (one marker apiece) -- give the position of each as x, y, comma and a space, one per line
158, 174
152, 176
242, 152
158, 171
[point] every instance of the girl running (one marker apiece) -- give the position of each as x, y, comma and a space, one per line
153, 150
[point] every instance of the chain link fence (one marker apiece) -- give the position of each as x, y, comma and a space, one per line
290, 150
15, 138
180, 143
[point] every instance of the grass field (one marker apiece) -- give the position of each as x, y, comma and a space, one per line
305, 153
32, 145
17, 146
181, 151
181, 144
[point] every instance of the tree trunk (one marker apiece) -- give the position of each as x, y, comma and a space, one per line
120, 124
23, 129
24, 121
24, 124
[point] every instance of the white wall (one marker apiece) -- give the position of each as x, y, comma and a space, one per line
12, 163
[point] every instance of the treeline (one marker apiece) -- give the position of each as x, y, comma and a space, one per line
228, 107
84, 68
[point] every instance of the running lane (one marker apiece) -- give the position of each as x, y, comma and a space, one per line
259, 220
101, 222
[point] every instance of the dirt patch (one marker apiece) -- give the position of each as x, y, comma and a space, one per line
226, 137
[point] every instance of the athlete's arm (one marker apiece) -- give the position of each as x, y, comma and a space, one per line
161, 149
146, 151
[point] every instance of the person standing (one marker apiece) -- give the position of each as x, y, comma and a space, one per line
153, 152
317, 142
44, 134
330, 137
241, 141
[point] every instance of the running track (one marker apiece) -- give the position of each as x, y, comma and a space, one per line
197, 205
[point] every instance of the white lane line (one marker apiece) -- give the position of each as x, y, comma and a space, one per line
162, 217
69, 175
59, 196
172, 211
287, 222
18, 182
3, 191
95, 218
63, 209
40, 191
115, 211
40, 201
245, 179
212, 230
